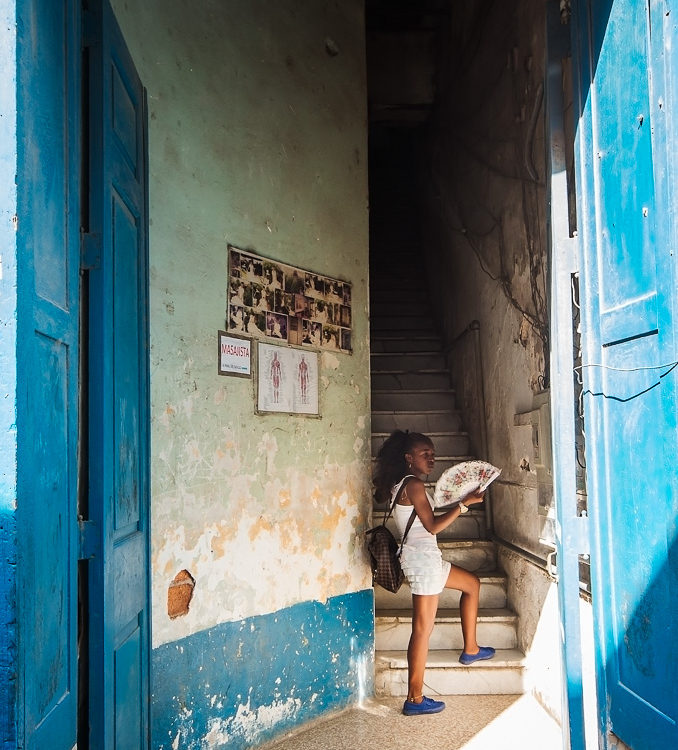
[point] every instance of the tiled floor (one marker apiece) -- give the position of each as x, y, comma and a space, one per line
470, 722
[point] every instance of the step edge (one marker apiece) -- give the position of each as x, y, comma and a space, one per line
495, 576
449, 658
450, 615
385, 412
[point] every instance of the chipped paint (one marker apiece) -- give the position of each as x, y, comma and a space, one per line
266, 512
310, 658
237, 560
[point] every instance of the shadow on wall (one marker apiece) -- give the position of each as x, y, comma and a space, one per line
640, 673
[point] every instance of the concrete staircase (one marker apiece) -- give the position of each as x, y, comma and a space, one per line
411, 390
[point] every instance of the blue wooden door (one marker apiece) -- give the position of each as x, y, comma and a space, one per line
48, 364
628, 279
118, 392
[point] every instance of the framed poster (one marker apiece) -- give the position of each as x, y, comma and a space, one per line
287, 380
275, 301
235, 355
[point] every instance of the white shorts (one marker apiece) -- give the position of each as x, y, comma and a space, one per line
425, 570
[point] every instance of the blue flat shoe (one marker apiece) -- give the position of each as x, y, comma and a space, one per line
486, 652
427, 706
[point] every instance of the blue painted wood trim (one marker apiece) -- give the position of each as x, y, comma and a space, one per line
562, 265
243, 683
8, 305
584, 60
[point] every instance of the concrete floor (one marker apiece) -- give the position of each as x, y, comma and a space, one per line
470, 722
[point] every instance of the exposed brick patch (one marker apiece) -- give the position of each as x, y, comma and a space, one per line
179, 594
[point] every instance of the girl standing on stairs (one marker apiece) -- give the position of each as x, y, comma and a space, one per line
404, 458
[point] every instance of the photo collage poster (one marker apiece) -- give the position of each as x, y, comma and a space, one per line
271, 300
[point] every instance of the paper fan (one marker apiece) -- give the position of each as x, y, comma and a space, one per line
461, 480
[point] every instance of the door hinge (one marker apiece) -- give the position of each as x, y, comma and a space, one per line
90, 540
90, 250
580, 527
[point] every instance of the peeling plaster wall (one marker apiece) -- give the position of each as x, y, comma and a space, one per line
257, 138
485, 233
485, 224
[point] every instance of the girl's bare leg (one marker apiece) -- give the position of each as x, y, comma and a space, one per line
469, 585
424, 610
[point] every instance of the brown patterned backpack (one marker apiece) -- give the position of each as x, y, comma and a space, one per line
385, 551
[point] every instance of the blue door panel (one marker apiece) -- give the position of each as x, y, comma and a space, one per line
49, 554
128, 671
48, 153
126, 239
630, 394
129, 581
119, 590
125, 122
48, 369
623, 144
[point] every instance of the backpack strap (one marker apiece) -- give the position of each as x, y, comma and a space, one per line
401, 487
410, 520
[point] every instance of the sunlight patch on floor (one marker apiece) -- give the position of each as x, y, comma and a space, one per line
470, 722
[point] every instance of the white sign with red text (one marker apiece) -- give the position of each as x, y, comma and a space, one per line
235, 355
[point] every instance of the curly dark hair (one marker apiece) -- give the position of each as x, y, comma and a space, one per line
391, 465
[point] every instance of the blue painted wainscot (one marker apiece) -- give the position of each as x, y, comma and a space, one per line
243, 683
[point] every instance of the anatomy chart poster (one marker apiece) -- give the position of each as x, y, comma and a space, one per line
267, 299
287, 380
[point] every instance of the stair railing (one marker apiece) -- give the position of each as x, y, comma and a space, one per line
473, 329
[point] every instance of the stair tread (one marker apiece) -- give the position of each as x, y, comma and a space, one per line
430, 434
376, 509
449, 458
444, 658
497, 614
415, 411
491, 576
416, 353
390, 335
461, 543
410, 371
415, 391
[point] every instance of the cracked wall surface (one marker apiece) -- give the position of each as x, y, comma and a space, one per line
257, 138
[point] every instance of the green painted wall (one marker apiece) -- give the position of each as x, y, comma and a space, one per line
257, 137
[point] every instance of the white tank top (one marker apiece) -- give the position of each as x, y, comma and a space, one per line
417, 536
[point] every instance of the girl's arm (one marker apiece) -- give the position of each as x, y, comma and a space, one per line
415, 492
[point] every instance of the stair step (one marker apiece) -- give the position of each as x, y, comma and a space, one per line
496, 627
423, 420
451, 443
407, 361
387, 306
407, 344
446, 676
396, 288
476, 555
420, 380
413, 400
425, 334
402, 323
442, 464
492, 595
469, 526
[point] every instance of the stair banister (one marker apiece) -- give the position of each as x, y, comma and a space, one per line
474, 328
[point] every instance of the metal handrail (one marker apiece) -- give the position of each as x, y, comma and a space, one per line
474, 328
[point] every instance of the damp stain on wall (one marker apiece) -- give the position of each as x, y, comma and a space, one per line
265, 546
